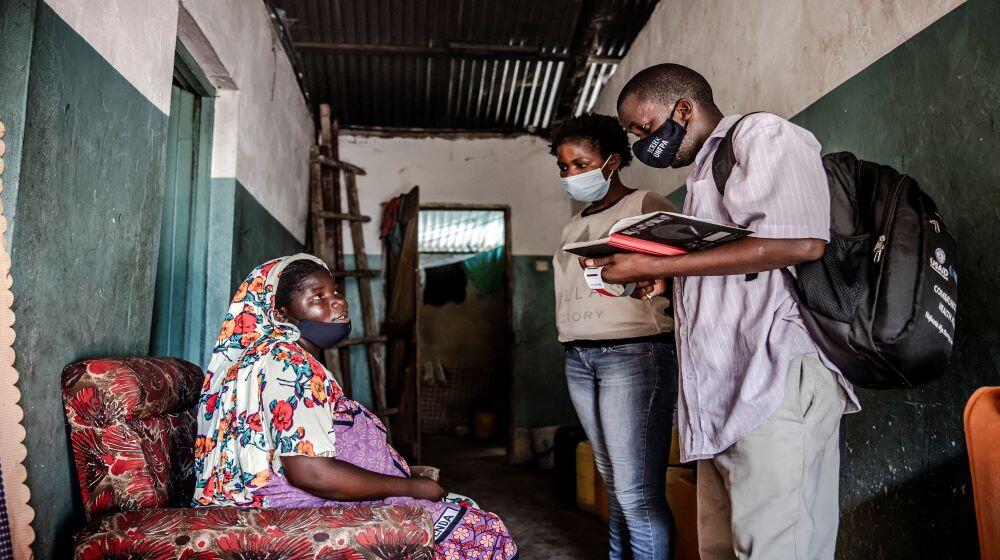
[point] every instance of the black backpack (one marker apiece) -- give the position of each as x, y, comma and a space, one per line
881, 301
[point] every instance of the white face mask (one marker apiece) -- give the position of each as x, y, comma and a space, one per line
590, 186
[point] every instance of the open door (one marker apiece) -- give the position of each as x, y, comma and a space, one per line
401, 327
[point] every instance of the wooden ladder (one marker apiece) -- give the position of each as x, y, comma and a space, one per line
325, 209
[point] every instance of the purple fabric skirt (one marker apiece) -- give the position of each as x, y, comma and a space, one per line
461, 531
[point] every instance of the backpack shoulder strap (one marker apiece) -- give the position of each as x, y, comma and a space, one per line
725, 157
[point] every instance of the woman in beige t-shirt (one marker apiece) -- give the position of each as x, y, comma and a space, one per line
621, 364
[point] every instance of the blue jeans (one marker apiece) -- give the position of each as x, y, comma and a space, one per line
625, 396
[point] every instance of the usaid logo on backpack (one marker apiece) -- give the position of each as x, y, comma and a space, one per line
937, 264
948, 273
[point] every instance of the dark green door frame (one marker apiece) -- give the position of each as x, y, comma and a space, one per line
179, 311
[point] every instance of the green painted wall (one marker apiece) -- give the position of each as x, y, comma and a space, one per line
16, 28
242, 235
677, 197
541, 397
929, 108
219, 264
258, 236
84, 246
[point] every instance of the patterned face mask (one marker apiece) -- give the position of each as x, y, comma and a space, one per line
659, 148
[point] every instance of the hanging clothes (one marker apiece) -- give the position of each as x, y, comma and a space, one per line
445, 284
391, 227
486, 271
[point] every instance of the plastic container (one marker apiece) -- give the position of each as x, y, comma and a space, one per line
682, 497
483, 424
564, 475
586, 472
600, 497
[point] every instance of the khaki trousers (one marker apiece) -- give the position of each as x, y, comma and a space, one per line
774, 494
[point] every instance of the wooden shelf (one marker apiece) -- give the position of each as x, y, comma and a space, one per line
367, 273
344, 217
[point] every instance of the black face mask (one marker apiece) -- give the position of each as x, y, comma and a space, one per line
324, 335
659, 148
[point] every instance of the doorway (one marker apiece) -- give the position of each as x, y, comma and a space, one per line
465, 335
179, 327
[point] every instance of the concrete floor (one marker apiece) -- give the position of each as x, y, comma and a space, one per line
543, 527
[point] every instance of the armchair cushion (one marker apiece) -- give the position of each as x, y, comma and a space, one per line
351, 533
132, 431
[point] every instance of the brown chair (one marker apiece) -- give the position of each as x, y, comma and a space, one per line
982, 437
132, 427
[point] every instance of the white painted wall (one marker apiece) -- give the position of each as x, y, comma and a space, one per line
263, 128
516, 171
772, 55
136, 37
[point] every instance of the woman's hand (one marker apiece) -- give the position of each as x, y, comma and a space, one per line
623, 268
424, 488
333, 479
649, 289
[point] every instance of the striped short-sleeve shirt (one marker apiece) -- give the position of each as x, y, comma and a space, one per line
737, 338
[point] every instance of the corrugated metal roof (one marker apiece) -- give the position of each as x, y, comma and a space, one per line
459, 231
459, 64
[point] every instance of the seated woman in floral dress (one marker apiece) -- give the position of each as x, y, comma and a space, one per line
275, 429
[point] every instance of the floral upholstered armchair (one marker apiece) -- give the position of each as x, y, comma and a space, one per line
132, 421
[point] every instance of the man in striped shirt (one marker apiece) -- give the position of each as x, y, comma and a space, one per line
759, 407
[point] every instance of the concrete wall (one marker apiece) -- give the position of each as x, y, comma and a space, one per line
89, 105
263, 125
915, 85
84, 245
17, 25
144, 55
778, 55
263, 129
928, 108
516, 171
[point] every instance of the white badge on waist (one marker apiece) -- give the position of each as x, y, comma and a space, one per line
596, 283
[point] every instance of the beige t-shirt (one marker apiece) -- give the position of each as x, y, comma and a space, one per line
583, 314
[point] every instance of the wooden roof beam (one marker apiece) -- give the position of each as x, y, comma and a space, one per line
585, 40
519, 52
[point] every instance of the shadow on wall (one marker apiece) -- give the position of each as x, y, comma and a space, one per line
928, 496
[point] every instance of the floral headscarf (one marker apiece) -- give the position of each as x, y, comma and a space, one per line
263, 397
